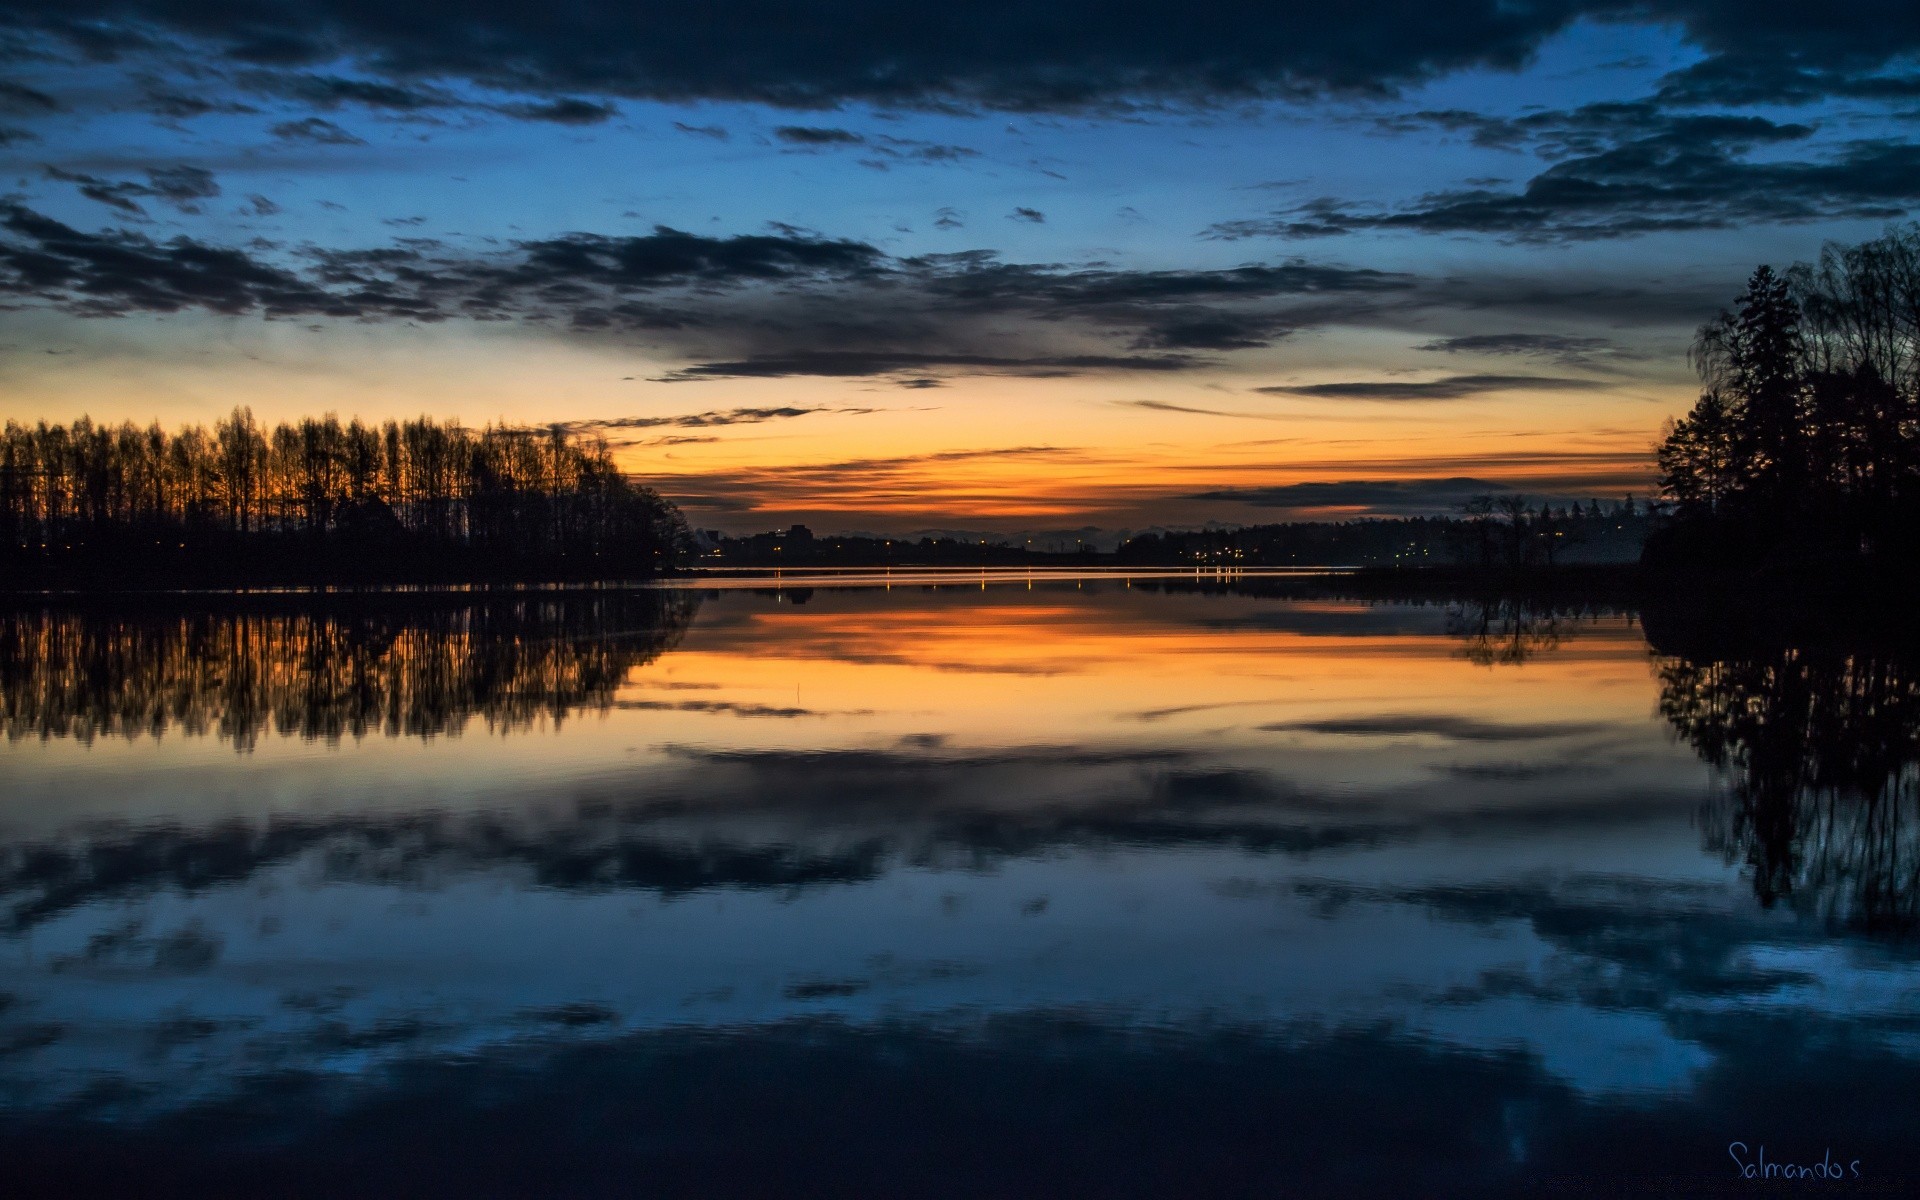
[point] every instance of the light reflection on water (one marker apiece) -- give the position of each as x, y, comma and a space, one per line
1470, 896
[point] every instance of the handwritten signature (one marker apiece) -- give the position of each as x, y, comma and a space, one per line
1759, 1168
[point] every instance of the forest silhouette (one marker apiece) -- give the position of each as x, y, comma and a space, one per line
318, 501
1804, 446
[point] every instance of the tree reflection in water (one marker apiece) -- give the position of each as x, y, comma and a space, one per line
1506, 631
415, 666
1819, 746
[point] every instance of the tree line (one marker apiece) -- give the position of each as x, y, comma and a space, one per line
317, 492
1805, 441
1492, 532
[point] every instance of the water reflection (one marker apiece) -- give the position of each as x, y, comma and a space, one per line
346, 670
1506, 631
1090, 887
1820, 750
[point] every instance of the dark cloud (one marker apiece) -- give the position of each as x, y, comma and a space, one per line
1680, 299
1168, 406
536, 280
671, 256
1452, 387
807, 135
883, 151
565, 111
1566, 349
1212, 331
117, 195
705, 420
317, 130
11, 135
179, 186
717, 504
1231, 309
332, 91
851, 363
113, 274
1547, 344
716, 132
19, 100
1555, 134
179, 107
926, 151
1691, 173
1780, 80
767, 305
410, 99
1000, 54
1389, 496
792, 302
1072, 55
1028, 214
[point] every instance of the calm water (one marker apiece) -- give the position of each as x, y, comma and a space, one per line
1095, 887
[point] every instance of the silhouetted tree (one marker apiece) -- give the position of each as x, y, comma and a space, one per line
1806, 441
497, 497
1698, 459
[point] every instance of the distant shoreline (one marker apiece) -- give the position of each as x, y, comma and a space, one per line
1352, 578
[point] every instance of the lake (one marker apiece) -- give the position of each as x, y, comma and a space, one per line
953, 884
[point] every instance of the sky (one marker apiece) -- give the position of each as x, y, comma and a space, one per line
894, 268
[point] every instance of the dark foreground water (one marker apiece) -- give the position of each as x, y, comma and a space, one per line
1108, 887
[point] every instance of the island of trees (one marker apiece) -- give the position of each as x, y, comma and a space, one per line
1804, 447
318, 501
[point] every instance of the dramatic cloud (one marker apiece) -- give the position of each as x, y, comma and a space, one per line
1566, 349
860, 362
1452, 387
883, 151
704, 420
176, 106
1552, 345
998, 54
774, 305
1693, 173
316, 130
802, 135
1168, 406
566, 111
1386, 496
1781, 80
110, 275
179, 186
20, 100
332, 91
